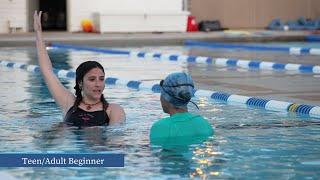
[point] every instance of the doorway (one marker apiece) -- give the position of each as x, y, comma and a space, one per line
53, 15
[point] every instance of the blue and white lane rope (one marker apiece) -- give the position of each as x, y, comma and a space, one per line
247, 64
36, 69
290, 50
274, 105
92, 49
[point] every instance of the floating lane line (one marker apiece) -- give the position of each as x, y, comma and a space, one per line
254, 64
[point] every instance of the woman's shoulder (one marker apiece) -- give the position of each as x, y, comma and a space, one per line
116, 113
203, 123
160, 124
114, 106
160, 129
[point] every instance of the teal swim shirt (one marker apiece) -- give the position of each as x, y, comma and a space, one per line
180, 129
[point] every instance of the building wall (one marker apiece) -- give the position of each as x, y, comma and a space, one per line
231, 13
14, 11
33, 5
252, 13
81, 9
315, 9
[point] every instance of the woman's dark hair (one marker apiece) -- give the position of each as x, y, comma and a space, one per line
83, 69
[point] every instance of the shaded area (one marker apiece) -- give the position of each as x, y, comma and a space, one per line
53, 15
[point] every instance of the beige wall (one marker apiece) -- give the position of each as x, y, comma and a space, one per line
14, 14
252, 13
315, 8
84, 9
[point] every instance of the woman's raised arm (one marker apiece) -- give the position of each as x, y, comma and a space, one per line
61, 95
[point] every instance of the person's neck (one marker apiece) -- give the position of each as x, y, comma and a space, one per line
175, 111
90, 101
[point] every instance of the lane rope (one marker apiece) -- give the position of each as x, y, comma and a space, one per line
273, 105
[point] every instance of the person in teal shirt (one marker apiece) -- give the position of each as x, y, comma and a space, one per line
182, 127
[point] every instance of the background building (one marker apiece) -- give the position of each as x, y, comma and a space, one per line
108, 15
253, 13
150, 15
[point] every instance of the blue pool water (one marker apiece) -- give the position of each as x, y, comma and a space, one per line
249, 143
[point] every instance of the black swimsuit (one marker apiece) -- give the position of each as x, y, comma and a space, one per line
79, 117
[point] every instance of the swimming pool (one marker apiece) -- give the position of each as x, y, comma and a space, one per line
249, 143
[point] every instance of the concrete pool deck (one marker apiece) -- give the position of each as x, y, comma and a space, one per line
283, 86
134, 39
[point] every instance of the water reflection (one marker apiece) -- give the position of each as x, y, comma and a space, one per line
208, 160
63, 138
174, 163
189, 157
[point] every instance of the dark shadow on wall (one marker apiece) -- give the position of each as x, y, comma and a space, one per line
54, 16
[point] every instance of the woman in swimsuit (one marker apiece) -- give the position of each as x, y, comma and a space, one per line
88, 106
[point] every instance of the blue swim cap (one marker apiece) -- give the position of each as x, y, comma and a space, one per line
177, 89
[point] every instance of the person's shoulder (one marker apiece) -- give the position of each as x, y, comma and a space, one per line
203, 123
164, 122
116, 113
160, 127
114, 107
198, 117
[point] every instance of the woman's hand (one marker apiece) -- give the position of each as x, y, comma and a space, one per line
37, 21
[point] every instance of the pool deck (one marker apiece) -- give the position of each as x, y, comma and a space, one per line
130, 39
283, 86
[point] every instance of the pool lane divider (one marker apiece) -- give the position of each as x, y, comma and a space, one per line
274, 105
313, 38
246, 64
36, 69
249, 47
92, 49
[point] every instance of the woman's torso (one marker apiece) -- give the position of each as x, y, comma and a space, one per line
79, 117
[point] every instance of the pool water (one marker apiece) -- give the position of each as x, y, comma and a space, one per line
249, 143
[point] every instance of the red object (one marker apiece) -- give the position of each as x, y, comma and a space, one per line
192, 26
88, 28
87, 25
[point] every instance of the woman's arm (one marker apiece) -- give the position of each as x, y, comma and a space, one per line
61, 95
116, 114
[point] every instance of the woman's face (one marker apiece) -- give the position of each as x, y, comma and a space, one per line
93, 84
